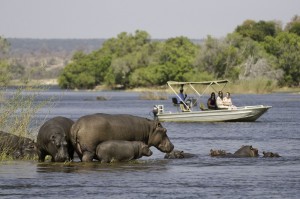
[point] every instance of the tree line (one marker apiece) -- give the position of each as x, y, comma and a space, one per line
254, 49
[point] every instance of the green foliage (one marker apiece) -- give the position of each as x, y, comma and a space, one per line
257, 30
253, 50
5, 71
85, 71
286, 48
294, 25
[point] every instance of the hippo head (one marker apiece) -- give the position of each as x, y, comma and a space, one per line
145, 150
175, 154
159, 139
29, 149
247, 151
217, 153
58, 147
270, 155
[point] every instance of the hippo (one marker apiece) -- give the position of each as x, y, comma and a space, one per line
247, 151
244, 151
121, 150
270, 155
54, 139
218, 153
91, 130
17, 146
177, 154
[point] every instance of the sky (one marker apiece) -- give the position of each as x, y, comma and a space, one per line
162, 19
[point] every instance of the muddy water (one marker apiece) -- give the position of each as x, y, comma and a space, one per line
156, 177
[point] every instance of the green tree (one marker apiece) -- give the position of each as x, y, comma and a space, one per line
294, 25
257, 30
286, 48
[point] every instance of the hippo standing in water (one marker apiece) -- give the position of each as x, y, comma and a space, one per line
91, 130
244, 151
54, 139
121, 150
17, 146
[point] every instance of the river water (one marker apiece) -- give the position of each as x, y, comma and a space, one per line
155, 177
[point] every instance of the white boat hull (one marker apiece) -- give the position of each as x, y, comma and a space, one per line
242, 114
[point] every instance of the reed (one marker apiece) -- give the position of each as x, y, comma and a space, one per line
18, 108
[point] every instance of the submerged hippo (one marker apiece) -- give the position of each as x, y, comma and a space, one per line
121, 150
54, 139
91, 130
244, 151
17, 146
270, 155
177, 154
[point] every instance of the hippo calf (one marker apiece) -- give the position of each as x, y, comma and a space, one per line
17, 146
54, 139
120, 150
177, 154
244, 151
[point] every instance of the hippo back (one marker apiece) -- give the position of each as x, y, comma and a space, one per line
247, 151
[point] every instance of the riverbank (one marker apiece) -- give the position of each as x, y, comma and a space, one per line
241, 87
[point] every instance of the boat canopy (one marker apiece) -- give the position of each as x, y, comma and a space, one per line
203, 83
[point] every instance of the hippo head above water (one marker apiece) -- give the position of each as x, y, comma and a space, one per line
247, 151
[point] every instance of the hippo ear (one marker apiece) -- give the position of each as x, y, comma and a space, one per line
251, 147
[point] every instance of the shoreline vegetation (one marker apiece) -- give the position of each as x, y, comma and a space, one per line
256, 86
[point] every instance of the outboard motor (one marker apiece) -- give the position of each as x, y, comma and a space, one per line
155, 111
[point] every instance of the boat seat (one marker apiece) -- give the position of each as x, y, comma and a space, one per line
183, 109
202, 107
175, 101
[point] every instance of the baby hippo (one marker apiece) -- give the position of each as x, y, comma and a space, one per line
121, 150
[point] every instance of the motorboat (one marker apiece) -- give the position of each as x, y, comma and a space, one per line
192, 110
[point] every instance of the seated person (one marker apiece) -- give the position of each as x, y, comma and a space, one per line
211, 102
220, 104
181, 100
182, 97
227, 101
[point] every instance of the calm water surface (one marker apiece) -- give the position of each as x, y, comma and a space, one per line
155, 177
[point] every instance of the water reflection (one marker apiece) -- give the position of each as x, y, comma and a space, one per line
82, 167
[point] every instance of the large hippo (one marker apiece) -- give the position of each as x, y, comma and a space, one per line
90, 130
54, 139
17, 146
244, 151
121, 150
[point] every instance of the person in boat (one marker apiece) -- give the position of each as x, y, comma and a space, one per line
220, 103
211, 102
181, 96
227, 101
181, 100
